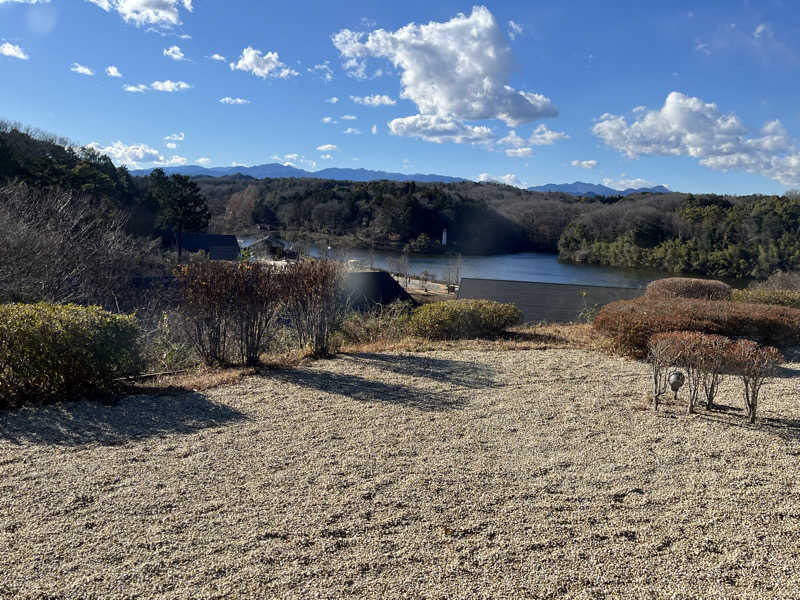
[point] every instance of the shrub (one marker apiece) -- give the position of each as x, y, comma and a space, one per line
456, 319
753, 364
687, 287
630, 323
776, 297
223, 300
382, 323
50, 352
314, 302
780, 280
701, 355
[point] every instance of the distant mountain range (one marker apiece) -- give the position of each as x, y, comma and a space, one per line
276, 170
580, 188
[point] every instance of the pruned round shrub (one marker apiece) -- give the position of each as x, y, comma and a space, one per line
54, 352
630, 323
459, 319
776, 297
688, 287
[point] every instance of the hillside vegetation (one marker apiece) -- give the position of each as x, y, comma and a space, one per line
719, 236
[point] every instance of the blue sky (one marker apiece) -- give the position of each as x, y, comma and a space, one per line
701, 97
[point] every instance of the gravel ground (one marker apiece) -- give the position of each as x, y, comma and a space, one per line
469, 474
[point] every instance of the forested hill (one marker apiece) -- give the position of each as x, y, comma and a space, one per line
719, 236
42, 160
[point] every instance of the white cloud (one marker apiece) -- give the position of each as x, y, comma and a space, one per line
374, 100
171, 145
160, 13
453, 71
174, 52
513, 140
203, 161
329, 120
169, 86
332, 100
327, 148
433, 128
175, 137
326, 156
542, 136
348, 117
514, 29
229, 100
174, 161
324, 70
519, 152
13, 51
626, 184
374, 130
507, 179
691, 127
262, 65
136, 89
218, 57
584, 164
352, 131
132, 155
763, 30
295, 160
81, 69
113, 71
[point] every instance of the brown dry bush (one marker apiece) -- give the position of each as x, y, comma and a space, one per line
630, 323
753, 364
687, 287
230, 302
702, 356
315, 303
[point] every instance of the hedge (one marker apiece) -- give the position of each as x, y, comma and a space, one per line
54, 352
630, 323
687, 287
458, 319
789, 298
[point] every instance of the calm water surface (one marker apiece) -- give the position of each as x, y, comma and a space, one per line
524, 266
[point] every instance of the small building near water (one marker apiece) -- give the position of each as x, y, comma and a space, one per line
218, 247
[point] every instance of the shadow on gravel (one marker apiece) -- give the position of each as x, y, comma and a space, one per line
111, 424
370, 390
456, 372
787, 429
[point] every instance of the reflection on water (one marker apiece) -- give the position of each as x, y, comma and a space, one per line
524, 266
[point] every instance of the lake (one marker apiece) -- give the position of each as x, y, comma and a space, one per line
523, 266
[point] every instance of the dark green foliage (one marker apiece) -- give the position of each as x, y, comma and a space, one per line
458, 319
44, 161
741, 237
59, 352
181, 206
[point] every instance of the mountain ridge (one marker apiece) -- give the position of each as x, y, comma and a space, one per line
581, 188
277, 170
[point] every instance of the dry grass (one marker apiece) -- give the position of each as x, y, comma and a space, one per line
450, 474
539, 337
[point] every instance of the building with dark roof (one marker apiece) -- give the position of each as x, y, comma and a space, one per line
218, 247
548, 302
367, 289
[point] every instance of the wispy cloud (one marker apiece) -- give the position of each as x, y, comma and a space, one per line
13, 51
81, 69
